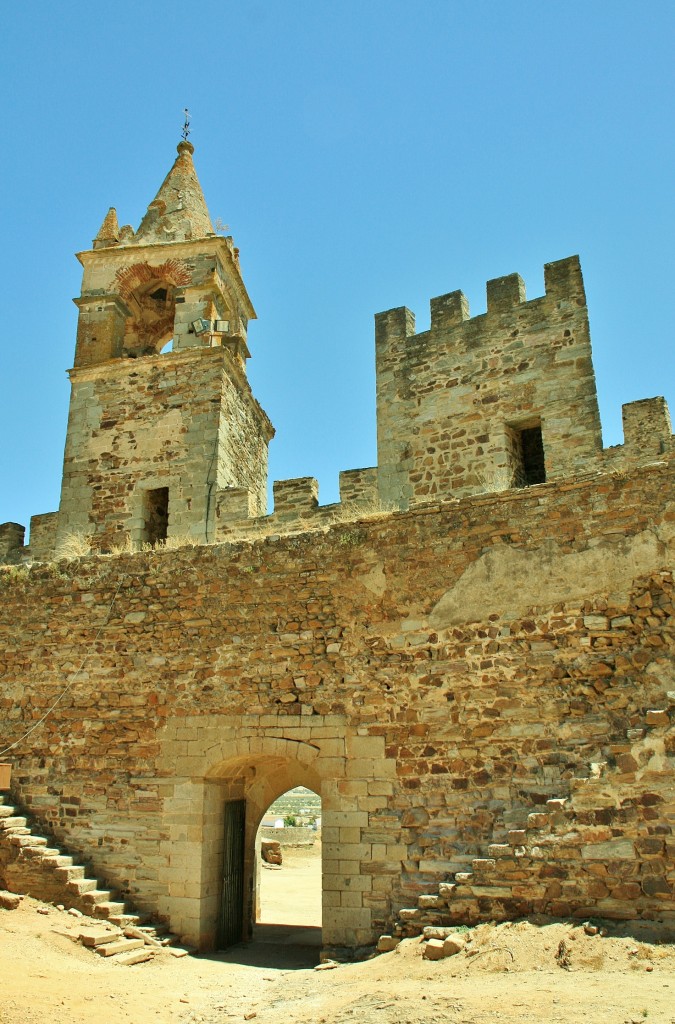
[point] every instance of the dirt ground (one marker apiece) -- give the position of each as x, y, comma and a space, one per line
513, 977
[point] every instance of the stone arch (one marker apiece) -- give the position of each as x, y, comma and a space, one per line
215, 761
150, 295
265, 772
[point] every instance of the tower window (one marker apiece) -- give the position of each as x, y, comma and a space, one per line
530, 456
156, 515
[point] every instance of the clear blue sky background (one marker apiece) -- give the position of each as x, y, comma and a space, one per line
364, 155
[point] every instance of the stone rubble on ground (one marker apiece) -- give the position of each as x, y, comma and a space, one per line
9, 900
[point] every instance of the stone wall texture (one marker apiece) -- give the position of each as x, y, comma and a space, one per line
437, 676
136, 425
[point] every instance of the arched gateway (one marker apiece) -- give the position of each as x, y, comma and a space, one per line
222, 773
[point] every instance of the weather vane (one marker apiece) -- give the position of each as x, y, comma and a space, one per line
186, 125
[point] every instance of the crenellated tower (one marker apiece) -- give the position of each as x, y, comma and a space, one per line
503, 399
162, 418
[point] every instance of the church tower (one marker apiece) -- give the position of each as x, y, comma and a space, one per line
162, 419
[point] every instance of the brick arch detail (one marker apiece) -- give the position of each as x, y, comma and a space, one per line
175, 272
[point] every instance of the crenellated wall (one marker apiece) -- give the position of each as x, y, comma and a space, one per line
475, 405
435, 675
452, 401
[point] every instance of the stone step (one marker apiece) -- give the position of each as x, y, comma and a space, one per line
12, 822
481, 865
95, 896
124, 920
21, 837
108, 910
56, 859
429, 902
120, 946
497, 851
538, 820
38, 841
100, 903
82, 885
69, 872
137, 957
35, 849
93, 937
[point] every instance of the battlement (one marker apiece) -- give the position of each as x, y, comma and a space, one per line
453, 401
502, 400
563, 283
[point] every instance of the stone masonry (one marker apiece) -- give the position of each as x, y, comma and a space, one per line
470, 658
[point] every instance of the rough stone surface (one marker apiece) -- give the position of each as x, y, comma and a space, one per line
434, 950
453, 945
9, 900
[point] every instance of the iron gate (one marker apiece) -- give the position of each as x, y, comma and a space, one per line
232, 902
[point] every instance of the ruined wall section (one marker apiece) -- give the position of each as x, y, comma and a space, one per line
451, 668
183, 420
452, 401
648, 435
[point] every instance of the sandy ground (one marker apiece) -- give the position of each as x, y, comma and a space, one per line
514, 977
293, 894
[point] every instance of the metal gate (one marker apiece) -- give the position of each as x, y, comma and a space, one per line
232, 903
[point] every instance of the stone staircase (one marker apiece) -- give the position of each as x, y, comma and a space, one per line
30, 865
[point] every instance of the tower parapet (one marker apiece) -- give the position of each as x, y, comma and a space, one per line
509, 394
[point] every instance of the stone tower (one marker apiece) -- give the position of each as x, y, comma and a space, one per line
489, 402
162, 419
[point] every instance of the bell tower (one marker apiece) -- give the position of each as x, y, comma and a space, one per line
162, 418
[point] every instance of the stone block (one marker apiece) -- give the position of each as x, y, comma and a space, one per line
613, 849
427, 902
433, 931
97, 936
452, 945
9, 900
138, 956
120, 946
434, 950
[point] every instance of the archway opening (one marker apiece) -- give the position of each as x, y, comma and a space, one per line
238, 794
288, 848
150, 327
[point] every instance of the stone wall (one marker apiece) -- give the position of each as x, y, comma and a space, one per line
290, 835
436, 676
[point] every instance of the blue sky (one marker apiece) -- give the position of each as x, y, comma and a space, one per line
364, 155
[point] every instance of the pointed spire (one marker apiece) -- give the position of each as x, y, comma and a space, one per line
109, 232
178, 212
